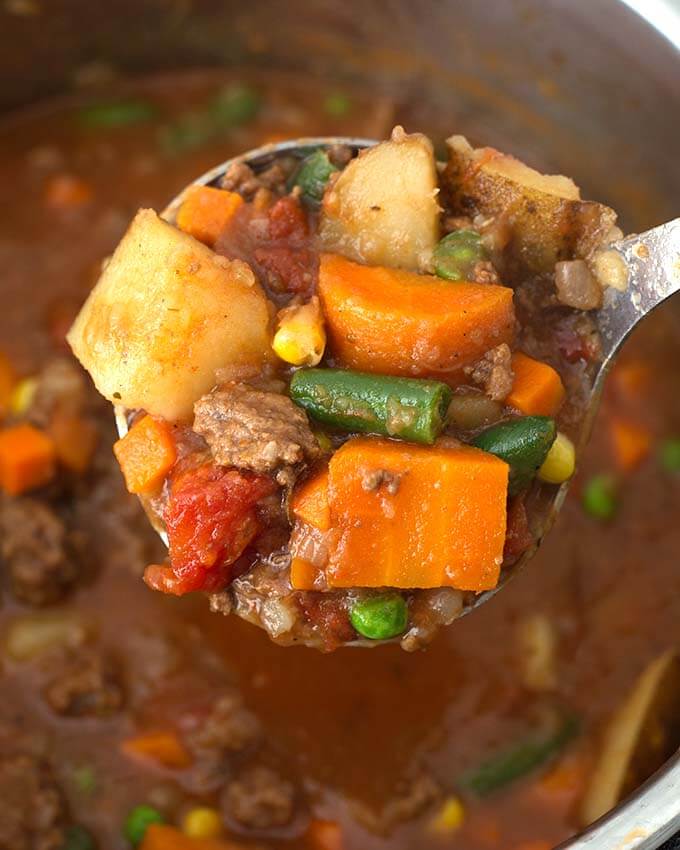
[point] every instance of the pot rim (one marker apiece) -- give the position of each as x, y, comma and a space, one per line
651, 815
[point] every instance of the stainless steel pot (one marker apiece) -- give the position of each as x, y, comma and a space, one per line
590, 89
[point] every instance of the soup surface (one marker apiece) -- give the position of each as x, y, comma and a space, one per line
116, 697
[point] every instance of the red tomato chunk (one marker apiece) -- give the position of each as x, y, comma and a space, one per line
210, 519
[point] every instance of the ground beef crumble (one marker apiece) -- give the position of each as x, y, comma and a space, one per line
375, 478
494, 372
410, 800
39, 554
253, 429
226, 731
241, 178
88, 684
259, 799
32, 808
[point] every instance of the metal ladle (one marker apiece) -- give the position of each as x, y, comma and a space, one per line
645, 268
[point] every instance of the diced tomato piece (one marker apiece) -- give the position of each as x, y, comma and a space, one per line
287, 219
518, 537
574, 345
210, 519
289, 269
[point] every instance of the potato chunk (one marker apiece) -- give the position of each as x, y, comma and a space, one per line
166, 313
382, 209
544, 213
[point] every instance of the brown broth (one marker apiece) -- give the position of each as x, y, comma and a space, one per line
355, 724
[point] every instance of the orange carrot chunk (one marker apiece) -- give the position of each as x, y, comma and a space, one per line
397, 322
206, 212
75, 440
8, 380
146, 454
27, 459
324, 835
164, 748
303, 574
537, 389
67, 191
162, 837
437, 517
631, 443
310, 501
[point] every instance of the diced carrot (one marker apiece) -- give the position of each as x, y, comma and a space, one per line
324, 835
205, 212
537, 389
162, 837
310, 501
274, 138
165, 748
485, 829
8, 380
27, 459
146, 454
66, 191
629, 381
443, 524
75, 440
303, 574
563, 783
400, 323
631, 443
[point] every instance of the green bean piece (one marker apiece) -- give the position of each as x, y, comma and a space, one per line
119, 113
522, 443
337, 104
457, 254
78, 838
519, 760
600, 497
313, 175
380, 617
669, 454
138, 821
409, 408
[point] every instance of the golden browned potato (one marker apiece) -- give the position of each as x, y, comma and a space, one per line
166, 313
382, 209
545, 217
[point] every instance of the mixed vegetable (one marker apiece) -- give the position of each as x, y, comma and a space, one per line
388, 423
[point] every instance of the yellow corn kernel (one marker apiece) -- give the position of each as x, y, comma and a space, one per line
449, 818
202, 822
301, 337
22, 396
560, 463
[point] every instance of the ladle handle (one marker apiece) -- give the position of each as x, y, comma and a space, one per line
646, 271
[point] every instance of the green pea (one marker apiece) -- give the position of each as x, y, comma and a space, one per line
84, 778
313, 175
337, 104
380, 617
669, 454
457, 254
119, 113
78, 838
600, 497
138, 821
235, 105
